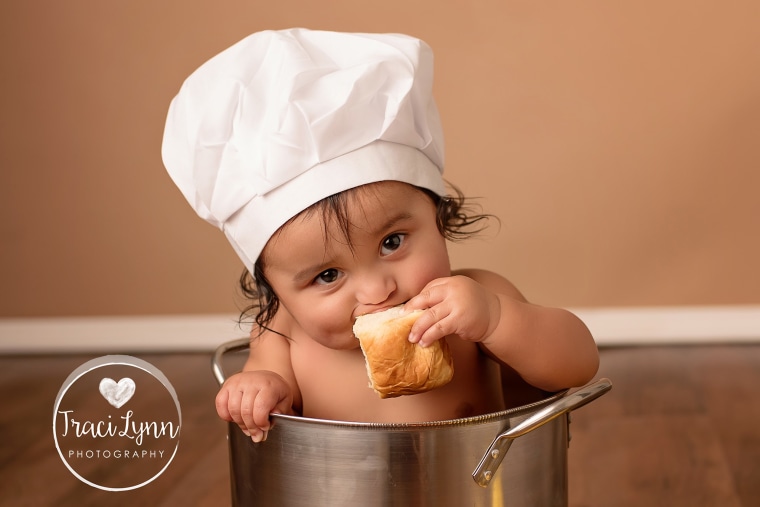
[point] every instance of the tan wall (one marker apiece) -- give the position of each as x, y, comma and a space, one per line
617, 141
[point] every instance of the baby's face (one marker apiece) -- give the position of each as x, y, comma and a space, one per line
396, 249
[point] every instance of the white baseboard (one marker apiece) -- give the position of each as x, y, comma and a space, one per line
203, 333
673, 325
116, 335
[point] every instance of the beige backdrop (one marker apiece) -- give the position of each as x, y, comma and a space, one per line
617, 141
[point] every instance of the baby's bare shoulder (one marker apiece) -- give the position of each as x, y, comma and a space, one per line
492, 281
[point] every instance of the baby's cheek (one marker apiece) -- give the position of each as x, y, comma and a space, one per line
435, 266
333, 330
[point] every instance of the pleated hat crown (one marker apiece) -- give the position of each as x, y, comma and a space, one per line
283, 119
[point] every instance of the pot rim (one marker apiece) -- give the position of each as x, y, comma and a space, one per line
463, 421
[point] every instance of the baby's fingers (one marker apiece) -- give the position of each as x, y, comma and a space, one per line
222, 405
236, 406
235, 401
249, 398
432, 325
431, 295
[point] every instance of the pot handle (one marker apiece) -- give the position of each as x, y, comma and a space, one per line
499, 447
216, 360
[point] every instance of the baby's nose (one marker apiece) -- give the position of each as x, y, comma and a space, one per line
375, 288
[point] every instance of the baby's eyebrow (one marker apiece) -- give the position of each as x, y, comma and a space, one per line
392, 222
307, 273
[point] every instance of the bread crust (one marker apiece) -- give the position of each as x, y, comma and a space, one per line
395, 366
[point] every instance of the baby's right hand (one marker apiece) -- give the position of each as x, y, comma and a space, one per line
247, 398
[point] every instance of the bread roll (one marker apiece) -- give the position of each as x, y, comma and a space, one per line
395, 366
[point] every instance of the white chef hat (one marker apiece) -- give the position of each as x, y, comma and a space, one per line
283, 119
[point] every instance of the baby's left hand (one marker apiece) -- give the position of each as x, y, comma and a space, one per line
454, 305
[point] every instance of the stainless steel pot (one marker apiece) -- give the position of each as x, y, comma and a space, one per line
460, 462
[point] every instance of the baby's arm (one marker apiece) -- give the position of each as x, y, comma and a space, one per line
549, 348
266, 385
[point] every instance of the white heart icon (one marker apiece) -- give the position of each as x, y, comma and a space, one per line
117, 393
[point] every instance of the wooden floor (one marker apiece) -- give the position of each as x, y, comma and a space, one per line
681, 427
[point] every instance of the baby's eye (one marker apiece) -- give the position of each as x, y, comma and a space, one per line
327, 276
392, 243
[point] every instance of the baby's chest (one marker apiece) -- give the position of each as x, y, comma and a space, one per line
334, 385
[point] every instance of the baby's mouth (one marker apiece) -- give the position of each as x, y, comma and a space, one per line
384, 308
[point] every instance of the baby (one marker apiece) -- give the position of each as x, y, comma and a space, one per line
320, 156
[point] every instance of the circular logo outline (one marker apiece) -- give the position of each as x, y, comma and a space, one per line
113, 360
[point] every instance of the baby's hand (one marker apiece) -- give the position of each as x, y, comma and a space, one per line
454, 305
247, 398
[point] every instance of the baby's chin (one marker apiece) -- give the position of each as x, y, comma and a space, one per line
349, 342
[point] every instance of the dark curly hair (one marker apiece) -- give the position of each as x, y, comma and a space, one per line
455, 218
